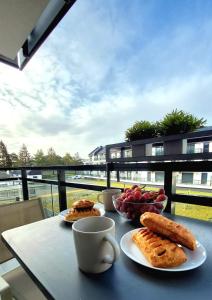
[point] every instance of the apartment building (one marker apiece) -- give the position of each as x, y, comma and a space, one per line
195, 143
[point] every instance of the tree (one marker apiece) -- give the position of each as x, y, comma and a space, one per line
68, 159
77, 160
14, 159
5, 160
39, 158
52, 158
24, 156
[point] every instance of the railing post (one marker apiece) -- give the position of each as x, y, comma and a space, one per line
108, 170
25, 191
61, 190
170, 188
118, 176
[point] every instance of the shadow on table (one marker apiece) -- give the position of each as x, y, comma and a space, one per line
152, 274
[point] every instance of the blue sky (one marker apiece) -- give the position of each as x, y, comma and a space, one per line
107, 65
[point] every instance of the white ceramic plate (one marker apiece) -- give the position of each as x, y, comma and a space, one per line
64, 212
195, 258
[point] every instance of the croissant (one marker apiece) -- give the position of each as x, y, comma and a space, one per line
74, 215
170, 229
159, 251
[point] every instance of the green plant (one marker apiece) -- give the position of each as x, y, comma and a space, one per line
141, 130
179, 121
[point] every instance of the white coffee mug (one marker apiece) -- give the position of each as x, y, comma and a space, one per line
95, 244
106, 198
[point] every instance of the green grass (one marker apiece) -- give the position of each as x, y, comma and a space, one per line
188, 210
194, 211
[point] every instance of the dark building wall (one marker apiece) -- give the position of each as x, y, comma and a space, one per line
173, 147
138, 150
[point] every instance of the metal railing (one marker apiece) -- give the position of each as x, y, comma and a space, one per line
169, 169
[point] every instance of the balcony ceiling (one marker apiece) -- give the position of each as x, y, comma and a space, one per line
25, 24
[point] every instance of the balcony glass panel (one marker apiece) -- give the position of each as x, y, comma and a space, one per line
48, 194
49, 174
87, 177
77, 194
195, 148
194, 183
193, 211
10, 191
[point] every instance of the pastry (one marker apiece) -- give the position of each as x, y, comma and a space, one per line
83, 204
168, 228
74, 215
81, 209
159, 251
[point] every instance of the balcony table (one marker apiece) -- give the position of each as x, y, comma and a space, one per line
46, 251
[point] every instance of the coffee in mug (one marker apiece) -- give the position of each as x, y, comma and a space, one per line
95, 244
106, 198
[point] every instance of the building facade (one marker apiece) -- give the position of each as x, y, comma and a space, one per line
195, 144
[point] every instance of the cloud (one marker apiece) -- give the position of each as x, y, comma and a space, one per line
103, 68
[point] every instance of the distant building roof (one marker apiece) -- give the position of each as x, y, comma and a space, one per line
102, 150
206, 128
95, 151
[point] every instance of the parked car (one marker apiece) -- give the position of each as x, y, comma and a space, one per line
77, 177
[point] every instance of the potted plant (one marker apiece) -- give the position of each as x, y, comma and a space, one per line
178, 122
141, 130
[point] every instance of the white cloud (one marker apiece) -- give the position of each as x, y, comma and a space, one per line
107, 74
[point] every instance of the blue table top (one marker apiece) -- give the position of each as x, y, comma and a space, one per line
46, 250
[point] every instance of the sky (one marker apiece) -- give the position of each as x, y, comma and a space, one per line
107, 65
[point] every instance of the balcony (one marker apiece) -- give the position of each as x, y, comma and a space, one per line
58, 189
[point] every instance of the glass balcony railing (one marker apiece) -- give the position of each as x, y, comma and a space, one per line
191, 150
59, 186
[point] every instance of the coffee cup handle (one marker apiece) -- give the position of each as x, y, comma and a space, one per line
108, 259
98, 198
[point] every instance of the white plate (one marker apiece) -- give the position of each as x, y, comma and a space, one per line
194, 258
64, 212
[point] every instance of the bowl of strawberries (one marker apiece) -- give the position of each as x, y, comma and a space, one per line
135, 201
